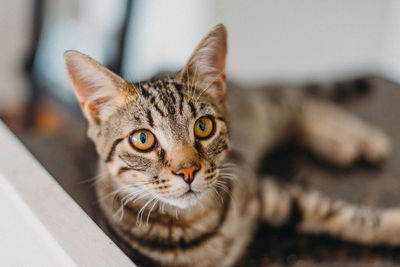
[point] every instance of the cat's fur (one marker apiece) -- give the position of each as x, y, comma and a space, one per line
146, 204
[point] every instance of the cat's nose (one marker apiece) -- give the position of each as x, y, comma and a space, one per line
187, 173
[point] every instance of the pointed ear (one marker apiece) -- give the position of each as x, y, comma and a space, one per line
99, 91
206, 65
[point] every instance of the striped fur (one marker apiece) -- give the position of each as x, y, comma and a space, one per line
158, 218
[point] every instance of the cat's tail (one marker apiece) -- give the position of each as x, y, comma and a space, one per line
313, 213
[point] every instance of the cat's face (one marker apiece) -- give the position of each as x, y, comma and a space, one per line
161, 139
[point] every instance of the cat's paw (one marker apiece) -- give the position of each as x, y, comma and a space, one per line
375, 147
340, 137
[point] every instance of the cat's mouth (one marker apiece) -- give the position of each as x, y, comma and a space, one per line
189, 194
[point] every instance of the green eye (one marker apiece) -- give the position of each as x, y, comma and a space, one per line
204, 127
142, 140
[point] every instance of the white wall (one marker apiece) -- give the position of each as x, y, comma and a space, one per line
389, 59
163, 34
310, 39
14, 42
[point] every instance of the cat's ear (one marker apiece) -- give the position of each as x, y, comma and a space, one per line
99, 90
206, 65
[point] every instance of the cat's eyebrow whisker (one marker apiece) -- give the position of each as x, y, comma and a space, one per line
192, 93
141, 96
187, 81
208, 86
192, 82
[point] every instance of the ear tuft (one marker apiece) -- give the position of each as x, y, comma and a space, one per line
206, 65
99, 91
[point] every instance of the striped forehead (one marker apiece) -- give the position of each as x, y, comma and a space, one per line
166, 96
164, 104
169, 98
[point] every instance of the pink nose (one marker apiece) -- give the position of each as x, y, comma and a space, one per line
187, 173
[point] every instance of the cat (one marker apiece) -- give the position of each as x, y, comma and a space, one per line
177, 175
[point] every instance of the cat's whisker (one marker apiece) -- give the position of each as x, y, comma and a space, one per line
120, 210
123, 203
141, 211
228, 175
222, 185
224, 178
227, 167
129, 197
228, 170
218, 195
162, 207
114, 193
229, 164
136, 196
152, 207
92, 179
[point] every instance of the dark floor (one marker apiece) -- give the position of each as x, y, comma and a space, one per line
70, 158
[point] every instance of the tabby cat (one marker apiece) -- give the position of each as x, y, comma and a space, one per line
177, 180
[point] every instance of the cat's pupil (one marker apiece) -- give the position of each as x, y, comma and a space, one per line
202, 126
143, 138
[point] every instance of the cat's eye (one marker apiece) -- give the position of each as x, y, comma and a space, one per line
142, 140
204, 127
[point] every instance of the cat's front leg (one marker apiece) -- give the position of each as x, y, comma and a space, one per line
318, 214
339, 136
361, 224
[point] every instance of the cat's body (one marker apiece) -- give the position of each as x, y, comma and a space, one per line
170, 189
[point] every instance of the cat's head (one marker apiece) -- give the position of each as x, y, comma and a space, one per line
163, 138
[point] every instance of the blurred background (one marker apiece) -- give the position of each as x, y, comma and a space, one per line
269, 41
294, 43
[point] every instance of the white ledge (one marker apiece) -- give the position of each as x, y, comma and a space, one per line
40, 224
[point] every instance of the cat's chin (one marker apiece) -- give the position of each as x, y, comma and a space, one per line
186, 200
